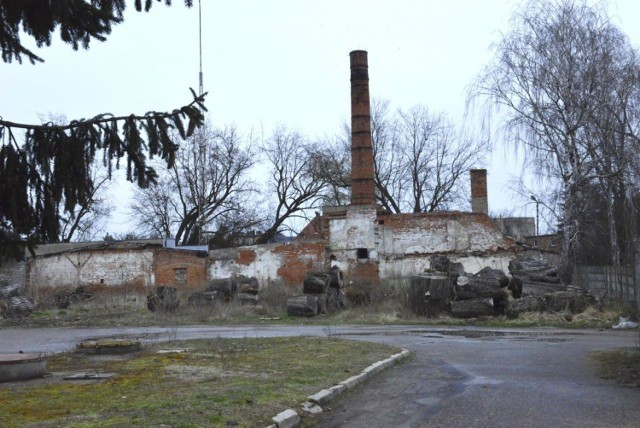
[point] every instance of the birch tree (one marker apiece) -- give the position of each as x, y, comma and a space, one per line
548, 81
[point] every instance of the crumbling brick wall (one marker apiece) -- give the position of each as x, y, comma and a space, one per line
100, 270
282, 263
180, 268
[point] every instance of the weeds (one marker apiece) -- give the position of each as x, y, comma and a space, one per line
232, 382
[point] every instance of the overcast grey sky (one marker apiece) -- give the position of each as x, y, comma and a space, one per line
277, 61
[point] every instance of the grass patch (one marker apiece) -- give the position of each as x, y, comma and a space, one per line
621, 365
219, 382
237, 314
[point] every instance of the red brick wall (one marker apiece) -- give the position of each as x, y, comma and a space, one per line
298, 259
167, 261
363, 271
246, 257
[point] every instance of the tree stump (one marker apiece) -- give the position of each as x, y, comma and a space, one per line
302, 306
429, 294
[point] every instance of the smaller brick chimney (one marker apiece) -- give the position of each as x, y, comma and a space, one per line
479, 202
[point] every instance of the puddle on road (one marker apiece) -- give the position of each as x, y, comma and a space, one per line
516, 336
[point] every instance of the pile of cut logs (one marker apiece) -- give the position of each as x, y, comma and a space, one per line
239, 288
13, 304
322, 293
448, 288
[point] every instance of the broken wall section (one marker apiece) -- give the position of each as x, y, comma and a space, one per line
108, 270
284, 264
366, 244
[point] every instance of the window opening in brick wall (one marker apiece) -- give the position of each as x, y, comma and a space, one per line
181, 276
362, 253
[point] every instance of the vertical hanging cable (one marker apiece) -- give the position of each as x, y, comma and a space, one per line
202, 138
200, 40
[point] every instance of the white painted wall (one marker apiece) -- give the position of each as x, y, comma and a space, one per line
355, 231
264, 267
107, 268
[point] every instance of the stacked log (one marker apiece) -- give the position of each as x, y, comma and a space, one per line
488, 283
430, 294
247, 285
203, 298
473, 308
305, 305
322, 294
536, 276
316, 283
226, 287
527, 304
449, 287
248, 289
240, 288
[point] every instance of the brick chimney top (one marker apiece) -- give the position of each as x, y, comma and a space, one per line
479, 203
362, 182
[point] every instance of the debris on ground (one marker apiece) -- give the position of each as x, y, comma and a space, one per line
625, 323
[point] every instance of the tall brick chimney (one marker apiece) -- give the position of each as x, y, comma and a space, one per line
479, 202
362, 184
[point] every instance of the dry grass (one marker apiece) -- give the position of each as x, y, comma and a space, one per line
217, 382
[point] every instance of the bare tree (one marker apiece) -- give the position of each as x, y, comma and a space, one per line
89, 218
420, 159
294, 185
547, 80
331, 163
389, 168
207, 182
90, 214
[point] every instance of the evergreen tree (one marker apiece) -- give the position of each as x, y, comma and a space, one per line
79, 21
49, 172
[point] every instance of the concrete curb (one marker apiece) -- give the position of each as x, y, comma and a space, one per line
290, 418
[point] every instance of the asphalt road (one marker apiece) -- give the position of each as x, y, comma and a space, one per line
456, 377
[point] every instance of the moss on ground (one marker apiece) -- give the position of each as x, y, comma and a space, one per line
219, 382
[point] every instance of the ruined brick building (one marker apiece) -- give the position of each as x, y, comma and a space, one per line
366, 242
